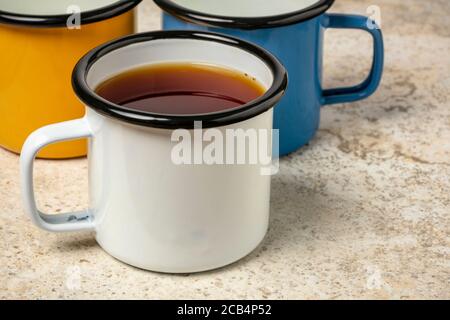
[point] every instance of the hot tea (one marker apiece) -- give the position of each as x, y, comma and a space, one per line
181, 88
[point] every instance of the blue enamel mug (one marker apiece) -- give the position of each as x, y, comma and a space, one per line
293, 31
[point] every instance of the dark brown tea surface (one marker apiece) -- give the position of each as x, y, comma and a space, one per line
181, 89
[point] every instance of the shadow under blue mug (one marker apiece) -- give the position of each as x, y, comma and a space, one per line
293, 31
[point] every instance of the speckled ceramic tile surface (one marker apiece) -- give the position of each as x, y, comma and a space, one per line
362, 212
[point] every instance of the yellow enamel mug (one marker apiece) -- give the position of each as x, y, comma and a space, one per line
40, 43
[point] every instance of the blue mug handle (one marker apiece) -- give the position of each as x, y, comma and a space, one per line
368, 86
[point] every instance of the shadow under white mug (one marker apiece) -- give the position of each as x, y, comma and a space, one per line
146, 210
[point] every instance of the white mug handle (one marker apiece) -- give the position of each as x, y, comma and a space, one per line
42, 137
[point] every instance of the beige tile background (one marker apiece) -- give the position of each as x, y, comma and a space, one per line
362, 212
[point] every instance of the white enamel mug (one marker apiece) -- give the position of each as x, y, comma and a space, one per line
146, 210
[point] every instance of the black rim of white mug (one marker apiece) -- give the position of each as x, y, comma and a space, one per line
167, 121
